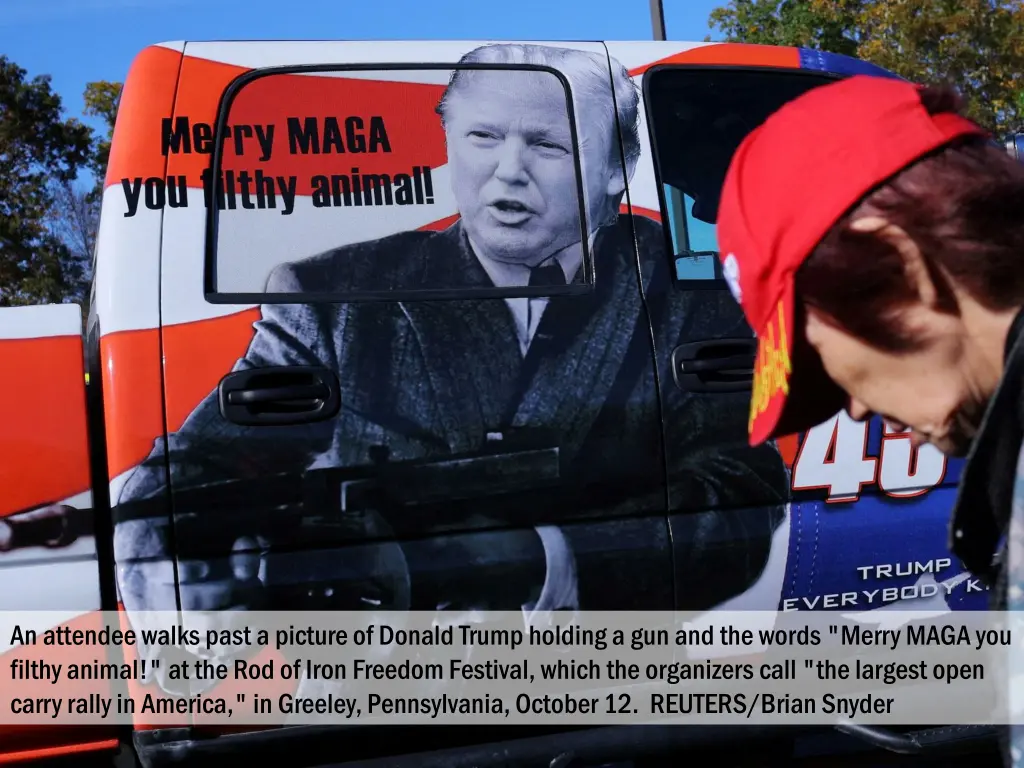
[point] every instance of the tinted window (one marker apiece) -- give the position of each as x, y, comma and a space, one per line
698, 118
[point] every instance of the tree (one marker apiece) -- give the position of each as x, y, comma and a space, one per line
74, 218
75, 210
799, 24
38, 147
48, 218
975, 45
102, 100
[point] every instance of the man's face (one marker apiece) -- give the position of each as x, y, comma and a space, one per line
928, 389
511, 161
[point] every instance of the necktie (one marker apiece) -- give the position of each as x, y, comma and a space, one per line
548, 275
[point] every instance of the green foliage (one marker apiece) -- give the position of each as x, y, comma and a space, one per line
789, 22
48, 222
102, 99
38, 148
975, 45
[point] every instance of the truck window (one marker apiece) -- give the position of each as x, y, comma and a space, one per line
698, 118
299, 171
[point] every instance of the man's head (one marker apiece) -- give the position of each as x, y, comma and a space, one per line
510, 148
884, 272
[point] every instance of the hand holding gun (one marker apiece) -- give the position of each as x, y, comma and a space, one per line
51, 525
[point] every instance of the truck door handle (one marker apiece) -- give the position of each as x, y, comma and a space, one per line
715, 365
279, 395
292, 394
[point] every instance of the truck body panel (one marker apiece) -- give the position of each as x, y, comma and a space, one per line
304, 217
49, 568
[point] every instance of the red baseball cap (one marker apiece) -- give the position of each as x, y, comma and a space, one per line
791, 179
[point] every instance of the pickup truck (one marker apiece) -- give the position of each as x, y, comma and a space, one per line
439, 326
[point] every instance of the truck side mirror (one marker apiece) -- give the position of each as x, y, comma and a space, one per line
1015, 146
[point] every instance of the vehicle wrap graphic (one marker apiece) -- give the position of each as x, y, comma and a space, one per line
623, 491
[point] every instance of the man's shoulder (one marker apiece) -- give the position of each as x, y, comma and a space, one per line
647, 228
379, 264
617, 241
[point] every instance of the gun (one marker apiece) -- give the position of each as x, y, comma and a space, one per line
512, 480
364, 511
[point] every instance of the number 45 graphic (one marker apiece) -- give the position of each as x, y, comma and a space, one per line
834, 457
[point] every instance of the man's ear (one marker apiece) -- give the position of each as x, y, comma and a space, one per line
616, 182
617, 179
914, 267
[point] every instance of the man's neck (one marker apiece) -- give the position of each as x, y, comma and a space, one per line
989, 339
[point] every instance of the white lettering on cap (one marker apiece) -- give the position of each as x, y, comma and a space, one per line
731, 271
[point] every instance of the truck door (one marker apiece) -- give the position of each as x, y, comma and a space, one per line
50, 573
868, 521
727, 502
406, 362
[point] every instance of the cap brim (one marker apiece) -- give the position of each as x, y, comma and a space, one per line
792, 392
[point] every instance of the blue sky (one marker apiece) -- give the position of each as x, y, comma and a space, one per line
76, 41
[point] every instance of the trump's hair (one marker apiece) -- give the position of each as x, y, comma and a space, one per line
587, 73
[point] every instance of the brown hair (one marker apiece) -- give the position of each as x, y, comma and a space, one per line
964, 207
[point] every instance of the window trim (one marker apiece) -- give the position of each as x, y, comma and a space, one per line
645, 87
228, 97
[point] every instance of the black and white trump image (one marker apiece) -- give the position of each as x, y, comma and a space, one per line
499, 445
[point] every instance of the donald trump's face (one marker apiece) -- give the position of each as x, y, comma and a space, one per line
513, 173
